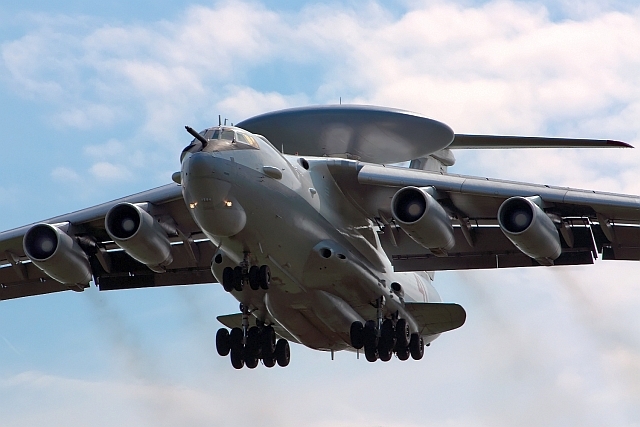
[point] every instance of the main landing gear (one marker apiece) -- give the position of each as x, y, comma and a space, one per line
248, 345
236, 278
382, 338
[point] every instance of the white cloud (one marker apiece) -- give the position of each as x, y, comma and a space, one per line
110, 172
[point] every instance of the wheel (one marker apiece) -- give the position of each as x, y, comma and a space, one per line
269, 362
264, 278
237, 361
251, 361
268, 338
403, 334
356, 333
283, 353
402, 353
223, 343
416, 346
227, 279
254, 279
237, 278
370, 353
252, 347
388, 334
384, 352
235, 339
370, 334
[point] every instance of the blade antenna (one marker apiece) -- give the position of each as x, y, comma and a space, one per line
219, 120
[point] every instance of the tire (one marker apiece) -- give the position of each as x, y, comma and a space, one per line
251, 361
371, 353
416, 346
268, 342
384, 352
283, 353
254, 279
269, 362
403, 334
402, 353
388, 334
227, 279
223, 343
264, 278
237, 359
369, 334
235, 339
356, 333
237, 279
252, 348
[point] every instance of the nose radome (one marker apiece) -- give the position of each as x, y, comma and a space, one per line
200, 165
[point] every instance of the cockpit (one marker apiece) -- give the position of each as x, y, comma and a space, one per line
222, 139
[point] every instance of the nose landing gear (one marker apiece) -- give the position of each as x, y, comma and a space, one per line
237, 278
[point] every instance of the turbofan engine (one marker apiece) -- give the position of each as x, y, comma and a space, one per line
57, 254
140, 235
422, 218
530, 229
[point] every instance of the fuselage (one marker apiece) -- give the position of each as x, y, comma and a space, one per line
287, 212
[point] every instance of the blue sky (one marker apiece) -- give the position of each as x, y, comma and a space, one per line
94, 98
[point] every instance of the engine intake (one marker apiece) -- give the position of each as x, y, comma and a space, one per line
57, 254
422, 218
530, 229
140, 235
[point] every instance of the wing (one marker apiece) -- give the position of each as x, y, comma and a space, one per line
588, 223
110, 266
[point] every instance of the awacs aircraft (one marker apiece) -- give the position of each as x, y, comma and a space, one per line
328, 247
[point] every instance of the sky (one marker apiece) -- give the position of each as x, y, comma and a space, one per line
94, 97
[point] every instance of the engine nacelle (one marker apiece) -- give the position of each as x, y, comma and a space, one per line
57, 254
530, 229
140, 235
422, 218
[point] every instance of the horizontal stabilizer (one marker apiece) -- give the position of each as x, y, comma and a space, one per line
436, 317
497, 141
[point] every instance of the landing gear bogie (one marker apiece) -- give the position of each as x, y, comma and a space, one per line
259, 343
236, 279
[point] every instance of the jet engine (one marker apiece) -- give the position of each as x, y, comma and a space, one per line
530, 229
140, 235
422, 218
57, 254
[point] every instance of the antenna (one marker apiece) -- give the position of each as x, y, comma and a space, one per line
340, 100
219, 120
225, 121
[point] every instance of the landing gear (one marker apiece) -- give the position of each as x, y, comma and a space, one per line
237, 278
246, 346
381, 338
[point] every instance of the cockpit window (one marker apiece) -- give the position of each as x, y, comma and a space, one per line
228, 135
221, 139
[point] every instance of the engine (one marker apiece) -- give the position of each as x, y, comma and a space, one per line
422, 218
140, 235
57, 254
530, 229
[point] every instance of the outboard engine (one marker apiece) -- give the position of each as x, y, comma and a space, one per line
530, 229
57, 254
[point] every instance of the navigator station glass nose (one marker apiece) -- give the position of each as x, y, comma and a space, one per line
220, 139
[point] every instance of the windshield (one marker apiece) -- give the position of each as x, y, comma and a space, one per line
222, 139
